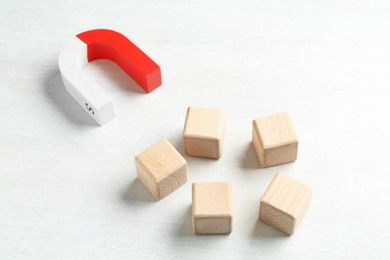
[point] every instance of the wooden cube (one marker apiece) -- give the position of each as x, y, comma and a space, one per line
284, 203
212, 208
161, 169
203, 132
274, 140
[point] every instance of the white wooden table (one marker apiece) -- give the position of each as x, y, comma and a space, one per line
68, 188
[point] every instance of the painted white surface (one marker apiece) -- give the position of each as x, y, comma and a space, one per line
68, 188
71, 63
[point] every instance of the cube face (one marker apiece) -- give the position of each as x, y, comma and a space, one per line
200, 147
284, 203
274, 140
172, 182
161, 169
203, 132
276, 218
147, 180
275, 130
212, 208
216, 225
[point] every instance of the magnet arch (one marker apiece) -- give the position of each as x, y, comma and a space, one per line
103, 44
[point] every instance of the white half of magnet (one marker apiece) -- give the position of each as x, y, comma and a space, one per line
72, 60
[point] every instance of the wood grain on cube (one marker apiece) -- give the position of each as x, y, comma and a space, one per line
212, 208
203, 132
275, 140
284, 203
161, 169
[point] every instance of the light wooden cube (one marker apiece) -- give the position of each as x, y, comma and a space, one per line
284, 203
203, 132
274, 140
161, 169
212, 208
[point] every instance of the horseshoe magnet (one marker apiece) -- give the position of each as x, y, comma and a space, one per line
103, 44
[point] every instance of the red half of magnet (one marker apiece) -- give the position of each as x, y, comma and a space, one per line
111, 45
